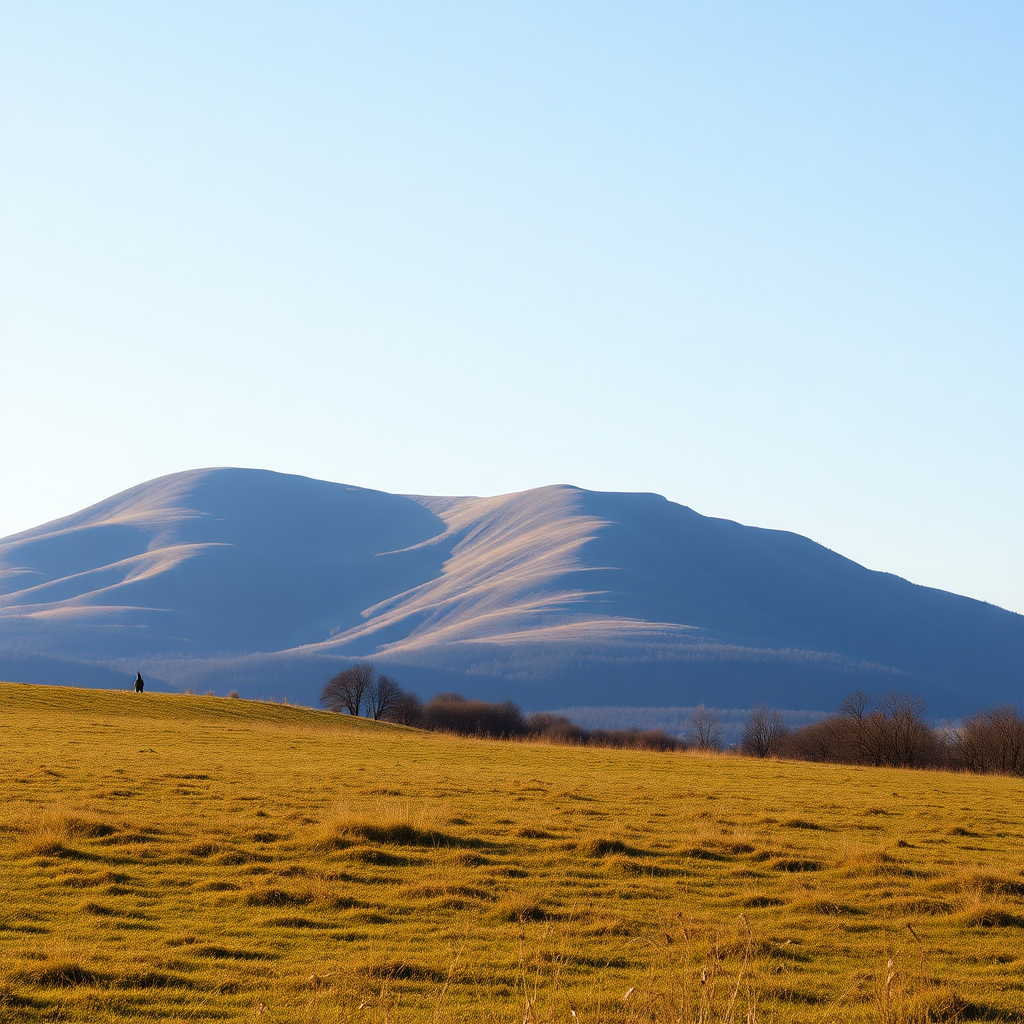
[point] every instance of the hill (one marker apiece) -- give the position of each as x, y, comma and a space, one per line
203, 859
267, 583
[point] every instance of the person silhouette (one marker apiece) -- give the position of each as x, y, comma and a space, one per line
139, 682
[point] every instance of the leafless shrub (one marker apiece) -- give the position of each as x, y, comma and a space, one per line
827, 740
763, 732
556, 728
705, 730
407, 709
990, 741
890, 732
634, 739
451, 712
909, 741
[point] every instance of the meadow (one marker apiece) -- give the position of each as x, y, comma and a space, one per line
186, 858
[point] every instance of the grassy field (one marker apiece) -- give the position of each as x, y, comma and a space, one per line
181, 858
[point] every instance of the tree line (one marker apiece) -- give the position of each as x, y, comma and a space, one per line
891, 731
361, 686
887, 731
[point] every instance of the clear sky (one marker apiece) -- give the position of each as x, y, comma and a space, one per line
764, 257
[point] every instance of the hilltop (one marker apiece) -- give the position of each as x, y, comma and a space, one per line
264, 582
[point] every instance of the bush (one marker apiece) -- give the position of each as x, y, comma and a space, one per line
406, 710
556, 728
451, 712
888, 732
634, 739
990, 741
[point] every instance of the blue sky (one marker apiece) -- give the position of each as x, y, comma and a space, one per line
763, 258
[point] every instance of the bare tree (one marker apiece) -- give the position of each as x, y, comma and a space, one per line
874, 729
908, 738
763, 731
893, 732
406, 710
345, 691
991, 741
889, 732
381, 696
705, 730
859, 711
1007, 749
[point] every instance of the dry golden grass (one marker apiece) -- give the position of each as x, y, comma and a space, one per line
181, 858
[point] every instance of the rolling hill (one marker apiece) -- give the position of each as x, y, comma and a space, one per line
266, 583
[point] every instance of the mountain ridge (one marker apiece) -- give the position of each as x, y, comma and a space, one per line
548, 595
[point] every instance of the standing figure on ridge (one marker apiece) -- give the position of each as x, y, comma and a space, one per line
139, 682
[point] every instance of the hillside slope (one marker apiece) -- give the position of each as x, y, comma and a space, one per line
194, 858
246, 579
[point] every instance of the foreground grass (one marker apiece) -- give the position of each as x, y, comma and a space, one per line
181, 858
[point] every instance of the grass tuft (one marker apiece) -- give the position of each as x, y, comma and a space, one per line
604, 847
61, 975
792, 864
272, 897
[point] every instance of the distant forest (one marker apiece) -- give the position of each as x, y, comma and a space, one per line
888, 731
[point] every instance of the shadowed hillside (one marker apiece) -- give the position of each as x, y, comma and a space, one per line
231, 578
